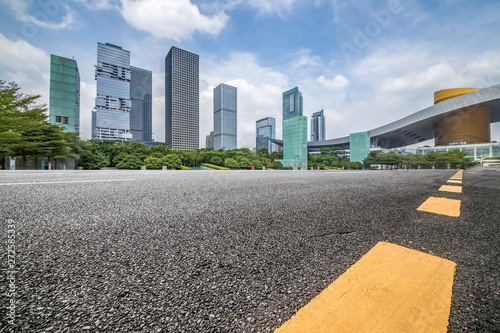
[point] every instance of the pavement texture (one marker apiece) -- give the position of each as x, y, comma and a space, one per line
229, 251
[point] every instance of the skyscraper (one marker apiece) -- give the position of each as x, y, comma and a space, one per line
225, 117
265, 129
111, 117
182, 99
209, 140
294, 131
141, 83
64, 95
318, 126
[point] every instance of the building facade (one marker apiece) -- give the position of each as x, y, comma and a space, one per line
64, 94
225, 117
318, 129
209, 140
182, 99
141, 86
265, 130
359, 146
111, 116
294, 131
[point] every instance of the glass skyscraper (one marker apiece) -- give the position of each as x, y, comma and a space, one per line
182, 99
64, 95
318, 126
294, 131
225, 117
111, 117
141, 83
359, 146
265, 129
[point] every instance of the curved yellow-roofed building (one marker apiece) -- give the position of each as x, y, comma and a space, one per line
466, 127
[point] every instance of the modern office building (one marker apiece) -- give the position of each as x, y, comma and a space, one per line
141, 86
265, 130
209, 140
318, 130
111, 116
64, 94
359, 147
182, 99
294, 131
225, 117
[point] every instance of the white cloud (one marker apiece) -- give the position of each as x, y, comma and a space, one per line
173, 19
96, 4
259, 93
338, 82
19, 55
265, 7
45, 13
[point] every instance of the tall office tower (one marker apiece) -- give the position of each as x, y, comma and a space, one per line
64, 95
111, 117
225, 117
209, 141
182, 99
141, 86
294, 131
318, 126
265, 130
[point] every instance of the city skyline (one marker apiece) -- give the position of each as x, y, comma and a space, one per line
368, 64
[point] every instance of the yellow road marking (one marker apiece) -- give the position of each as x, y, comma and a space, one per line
451, 188
455, 181
443, 206
390, 289
456, 178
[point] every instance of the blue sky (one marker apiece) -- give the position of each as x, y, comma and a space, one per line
366, 63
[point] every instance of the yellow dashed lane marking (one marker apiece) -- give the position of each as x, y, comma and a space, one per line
455, 181
390, 289
450, 188
443, 206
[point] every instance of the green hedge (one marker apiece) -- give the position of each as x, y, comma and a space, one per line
213, 166
185, 167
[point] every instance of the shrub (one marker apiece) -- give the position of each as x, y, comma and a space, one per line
276, 165
212, 166
185, 167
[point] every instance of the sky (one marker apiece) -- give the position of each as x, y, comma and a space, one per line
366, 63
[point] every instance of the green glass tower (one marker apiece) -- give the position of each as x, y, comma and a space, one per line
359, 146
294, 131
64, 95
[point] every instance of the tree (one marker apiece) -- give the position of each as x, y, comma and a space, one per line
231, 163
172, 161
93, 160
217, 161
153, 163
132, 161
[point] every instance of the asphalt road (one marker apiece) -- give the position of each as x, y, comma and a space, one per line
228, 251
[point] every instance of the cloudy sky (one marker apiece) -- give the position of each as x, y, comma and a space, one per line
366, 63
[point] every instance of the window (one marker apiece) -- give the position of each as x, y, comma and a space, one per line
65, 120
59, 119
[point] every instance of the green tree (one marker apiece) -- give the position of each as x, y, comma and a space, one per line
217, 161
230, 163
153, 163
132, 161
93, 160
172, 161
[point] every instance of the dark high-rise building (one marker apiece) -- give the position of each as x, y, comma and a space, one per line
318, 126
209, 141
141, 83
265, 130
111, 116
182, 99
225, 117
